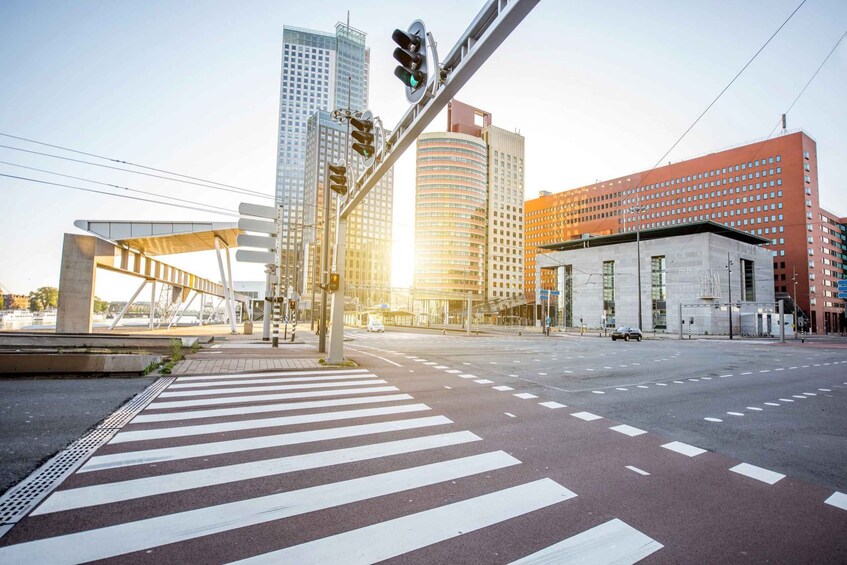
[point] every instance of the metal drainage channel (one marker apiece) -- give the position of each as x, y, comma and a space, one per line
27, 494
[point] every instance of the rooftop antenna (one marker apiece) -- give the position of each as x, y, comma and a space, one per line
784, 124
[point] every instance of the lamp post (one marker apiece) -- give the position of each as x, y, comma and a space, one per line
794, 300
729, 288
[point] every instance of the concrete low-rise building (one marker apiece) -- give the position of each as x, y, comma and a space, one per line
684, 283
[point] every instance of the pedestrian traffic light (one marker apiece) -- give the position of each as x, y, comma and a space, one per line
363, 137
334, 280
292, 304
338, 178
411, 54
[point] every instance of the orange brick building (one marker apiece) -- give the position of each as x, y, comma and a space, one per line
767, 188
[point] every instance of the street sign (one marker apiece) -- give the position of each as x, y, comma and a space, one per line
543, 294
260, 226
554, 293
252, 256
259, 241
842, 294
267, 212
842, 285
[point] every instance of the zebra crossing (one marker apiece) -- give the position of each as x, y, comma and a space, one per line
216, 456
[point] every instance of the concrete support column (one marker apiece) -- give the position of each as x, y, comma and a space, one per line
76, 283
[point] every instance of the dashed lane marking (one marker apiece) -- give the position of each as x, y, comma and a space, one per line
735, 413
724, 376
758, 473
525, 395
483, 381
771, 403
684, 448
587, 416
453, 371
713, 419
448, 387
509, 414
837, 499
642, 386
786, 400
637, 470
552, 404
621, 388
598, 392
627, 430
468, 376
502, 388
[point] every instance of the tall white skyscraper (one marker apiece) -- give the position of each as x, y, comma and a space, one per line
319, 69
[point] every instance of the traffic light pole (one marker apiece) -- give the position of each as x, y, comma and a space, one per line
324, 269
491, 26
336, 341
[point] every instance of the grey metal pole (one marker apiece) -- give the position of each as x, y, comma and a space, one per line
782, 321
324, 267
680, 321
638, 266
794, 299
729, 290
469, 311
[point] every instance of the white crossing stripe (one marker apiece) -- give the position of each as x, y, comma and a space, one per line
502, 388
468, 376
262, 408
627, 430
163, 405
552, 404
402, 535
111, 541
684, 448
483, 381
147, 456
270, 374
613, 542
637, 470
525, 395
241, 425
207, 392
268, 381
587, 416
837, 499
757, 473
138, 488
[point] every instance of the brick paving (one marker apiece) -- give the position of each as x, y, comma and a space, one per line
242, 365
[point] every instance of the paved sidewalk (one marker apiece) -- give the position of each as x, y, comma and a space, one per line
211, 366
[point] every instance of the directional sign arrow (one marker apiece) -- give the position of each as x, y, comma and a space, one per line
247, 209
259, 241
251, 256
261, 226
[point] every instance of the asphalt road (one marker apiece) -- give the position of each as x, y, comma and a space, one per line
462, 450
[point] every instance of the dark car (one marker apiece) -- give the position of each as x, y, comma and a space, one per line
626, 333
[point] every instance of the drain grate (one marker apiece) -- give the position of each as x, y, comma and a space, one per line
24, 496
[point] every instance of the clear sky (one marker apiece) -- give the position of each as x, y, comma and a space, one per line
599, 89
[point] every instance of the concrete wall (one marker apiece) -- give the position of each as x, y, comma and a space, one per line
80, 255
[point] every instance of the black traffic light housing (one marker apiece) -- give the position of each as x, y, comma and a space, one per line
363, 136
292, 304
334, 280
338, 178
412, 56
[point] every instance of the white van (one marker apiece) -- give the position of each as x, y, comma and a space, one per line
375, 326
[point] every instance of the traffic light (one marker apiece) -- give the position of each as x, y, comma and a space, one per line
338, 178
363, 136
411, 54
334, 279
292, 304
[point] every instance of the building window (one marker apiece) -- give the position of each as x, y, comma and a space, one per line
659, 292
609, 293
748, 286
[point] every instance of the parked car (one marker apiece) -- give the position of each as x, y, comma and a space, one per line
626, 333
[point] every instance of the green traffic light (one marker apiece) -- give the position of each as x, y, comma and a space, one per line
412, 82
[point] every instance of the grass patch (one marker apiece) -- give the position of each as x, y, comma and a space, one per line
345, 363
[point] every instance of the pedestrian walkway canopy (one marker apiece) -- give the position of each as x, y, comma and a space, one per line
164, 238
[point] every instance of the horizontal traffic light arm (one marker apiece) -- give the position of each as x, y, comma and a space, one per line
491, 26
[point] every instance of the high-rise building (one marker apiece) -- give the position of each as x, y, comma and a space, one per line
320, 71
368, 262
469, 216
767, 188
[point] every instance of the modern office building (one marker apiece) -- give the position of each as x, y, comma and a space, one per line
469, 216
768, 188
320, 71
684, 281
368, 265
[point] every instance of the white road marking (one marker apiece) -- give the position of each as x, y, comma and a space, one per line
797, 396
147, 456
772, 403
754, 408
502, 388
765, 371
786, 400
643, 386
789, 368
109, 493
724, 376
280, 407
735, 413
713, 419
239, 390
111, 541
587, 416
612, 542
269, 374
468, 376
162, 405
465, 363
510, 415
757, 473
810, 394
448, 387
431, 363
637, 470
552, 404
694, 380
513, 375
684, 448
441, 367
377, 356
483, 381
598, 392
680, 382
661, 384
837, 499
401, 535
569, 372
706, 378
242, 425
492, 362
825, 389
747, 373
525, 395
627, 430
453, 371
619, 388
543, 374
780, 369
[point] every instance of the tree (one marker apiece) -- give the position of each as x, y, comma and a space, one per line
44, 298
100, 306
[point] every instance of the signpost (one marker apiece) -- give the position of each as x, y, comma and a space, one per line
268, 254
842, 288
